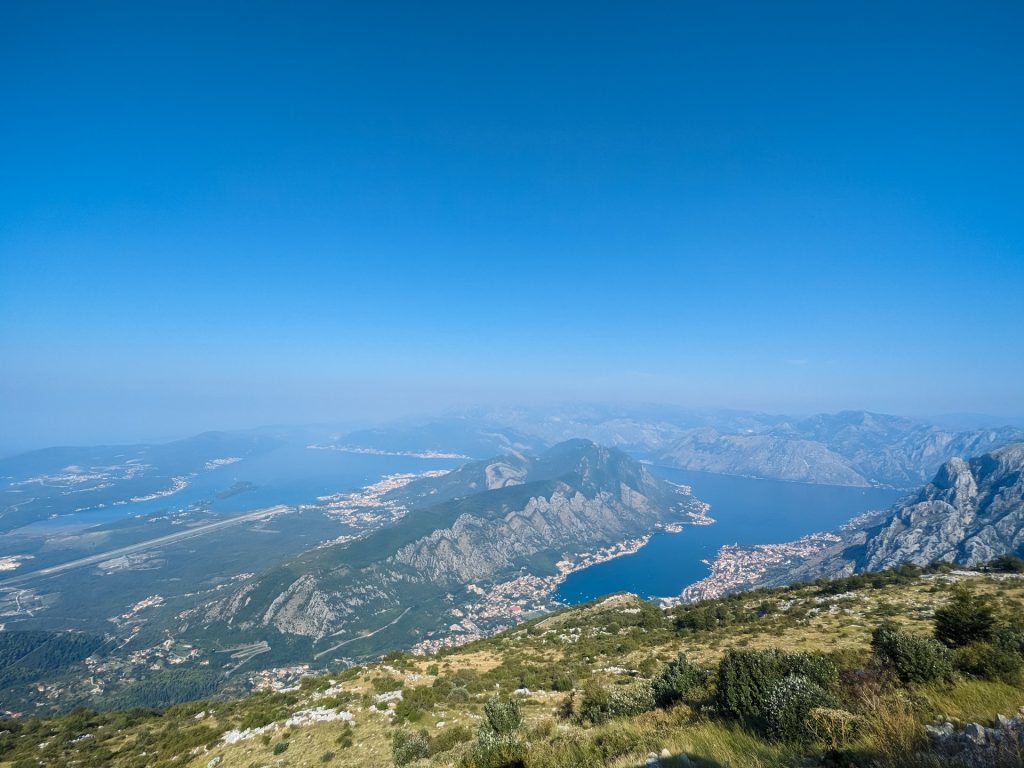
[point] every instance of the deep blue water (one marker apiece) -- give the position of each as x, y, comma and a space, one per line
746, 511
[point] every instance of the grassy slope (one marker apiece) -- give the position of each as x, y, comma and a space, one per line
584, 642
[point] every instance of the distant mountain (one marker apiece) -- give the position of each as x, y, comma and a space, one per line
856, 448
641, 430
782, 457
465, 532
849, 448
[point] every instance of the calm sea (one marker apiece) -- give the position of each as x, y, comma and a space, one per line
747, 511
289, 474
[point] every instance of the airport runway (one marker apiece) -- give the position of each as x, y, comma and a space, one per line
170, 538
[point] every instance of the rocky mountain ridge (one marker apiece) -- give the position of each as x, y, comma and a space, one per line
971, 512
478, 525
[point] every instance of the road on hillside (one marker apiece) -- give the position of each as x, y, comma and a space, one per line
170, 538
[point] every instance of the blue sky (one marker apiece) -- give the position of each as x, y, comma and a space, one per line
223, 216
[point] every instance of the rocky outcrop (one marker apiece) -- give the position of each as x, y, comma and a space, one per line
972, 512
978, 746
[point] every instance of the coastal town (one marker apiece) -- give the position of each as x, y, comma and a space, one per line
510, 602
367, 507
379, 452
737, 566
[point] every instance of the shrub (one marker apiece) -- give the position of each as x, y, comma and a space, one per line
648, 666
264, 708
991, 661
562, 682
914, 658
503, 716
787, 707
678, 681
449, 738
498, 743
1011, 638
415, 701
497, 750
745, 677
407, 747
965, 619
1007, 564
281, 747
600, 703
344, 739
385, 684
326, 757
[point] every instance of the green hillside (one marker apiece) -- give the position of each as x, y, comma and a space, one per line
840, 673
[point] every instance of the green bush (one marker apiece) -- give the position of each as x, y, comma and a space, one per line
344, 739
990, 661
503, 715
407, 747
914, 658
787, 708
679, 681
498, 743
450, 737
415, 702
497, 750
265, 708
745, 677
281, 747
967, 618
600, 703
386, 684
562, 682
1011, 638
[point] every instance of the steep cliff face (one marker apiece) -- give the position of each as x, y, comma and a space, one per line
971, 512
480, 524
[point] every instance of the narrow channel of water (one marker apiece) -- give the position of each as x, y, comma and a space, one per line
746, 510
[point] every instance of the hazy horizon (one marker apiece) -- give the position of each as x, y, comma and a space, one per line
222, 217
126, 436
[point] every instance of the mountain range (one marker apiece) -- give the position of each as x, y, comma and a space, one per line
857, 448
